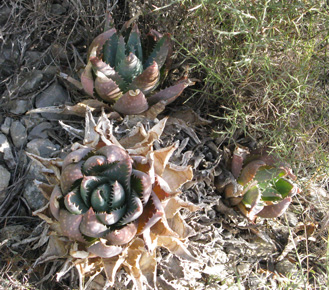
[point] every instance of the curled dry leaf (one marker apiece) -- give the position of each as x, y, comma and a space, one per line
111, 205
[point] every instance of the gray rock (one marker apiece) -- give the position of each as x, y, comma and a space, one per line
5, 127
29, 82
50, 72
35, 172
5, 152
41, 147
18, 134
40, 131
19, 107
4, 182
53, 96
30, 121
33, 196
36, 57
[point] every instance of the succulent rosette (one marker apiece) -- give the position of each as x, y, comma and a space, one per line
261, 185
111, 204
122, 72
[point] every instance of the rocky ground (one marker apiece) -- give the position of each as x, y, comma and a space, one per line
38, 40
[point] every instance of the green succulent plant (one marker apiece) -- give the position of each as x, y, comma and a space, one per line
261, 186
122, 71
101, 195
112, 203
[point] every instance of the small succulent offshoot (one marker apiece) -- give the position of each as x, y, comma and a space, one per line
261, 186
123, 72
111, 206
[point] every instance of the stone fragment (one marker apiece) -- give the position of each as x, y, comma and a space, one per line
18, 107
4, 182
53, 96
33, 196
5, 127
41, 147
40, 131
18, 134
28, 82
5, 152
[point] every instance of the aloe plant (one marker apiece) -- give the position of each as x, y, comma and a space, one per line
101, 195
112, 205
122, 71
262, 186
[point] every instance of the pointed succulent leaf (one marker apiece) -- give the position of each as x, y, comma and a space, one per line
70, 174
168, 95
252, 197
75, 156
160, 52
53, 202
106, 88
141, 184
275, 210
100, 249
129, 68
131, 103
134, 210
69, 224
93, 161
110, 49
100, 66
238, 158
271, 194
113, 153
118, 196
74, 203
120, 53
100, 197
266, 174
87, 79
122, 236
88, 185
134, 44
99, 41
250, 213
284, 187
90, 226
119, 172
147, 80
113, 217
249, 171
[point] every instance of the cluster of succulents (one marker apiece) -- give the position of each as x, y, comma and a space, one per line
112, 203
112, 206
123, 72
261, 185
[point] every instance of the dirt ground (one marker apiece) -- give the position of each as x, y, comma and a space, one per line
38, 40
